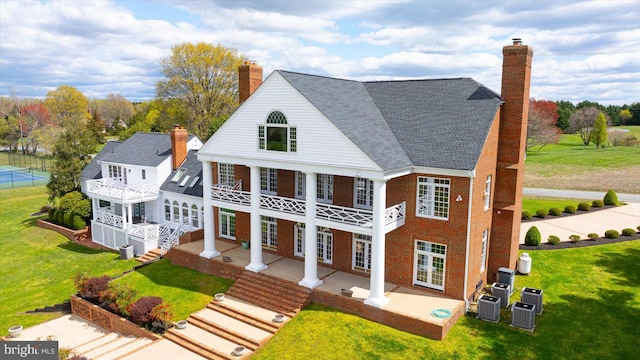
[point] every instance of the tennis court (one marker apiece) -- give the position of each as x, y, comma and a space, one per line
12, 176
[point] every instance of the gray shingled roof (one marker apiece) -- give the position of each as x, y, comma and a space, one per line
93, 170
143, 149
192, 168
434, 123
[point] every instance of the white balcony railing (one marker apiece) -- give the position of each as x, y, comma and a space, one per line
351, 216
231, 193
149, 231
108, 218
115, 189
395, 214
282, 204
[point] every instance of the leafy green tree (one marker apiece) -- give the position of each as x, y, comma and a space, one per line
204, 80
599, 131
71, 154
66, 104
96, 126
634, 109
625, 116
565, 110
587, 104
613, 111
10, 132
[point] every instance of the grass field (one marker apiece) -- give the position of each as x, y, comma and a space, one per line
572, 165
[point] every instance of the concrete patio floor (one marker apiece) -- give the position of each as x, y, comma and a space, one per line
402, 300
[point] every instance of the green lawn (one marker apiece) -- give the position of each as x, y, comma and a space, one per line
591, 310
534, 203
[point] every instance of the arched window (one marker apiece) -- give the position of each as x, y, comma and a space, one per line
185, 213
176, 211
167, 210
194, 216
277, 135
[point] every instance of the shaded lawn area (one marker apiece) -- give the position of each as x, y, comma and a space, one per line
186, 290
591, 310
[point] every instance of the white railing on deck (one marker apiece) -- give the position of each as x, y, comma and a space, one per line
116, 189
345, 215
174, 238
149, 231
283, 204
395, 214
231, 194
108, 218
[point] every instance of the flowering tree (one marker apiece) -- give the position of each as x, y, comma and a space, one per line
541, 125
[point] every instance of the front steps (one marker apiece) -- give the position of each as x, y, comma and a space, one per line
152, 255
244, 318
111, 346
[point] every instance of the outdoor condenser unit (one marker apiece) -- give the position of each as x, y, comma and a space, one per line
506, 276
503, 291
532, 296
489, 308
523, 316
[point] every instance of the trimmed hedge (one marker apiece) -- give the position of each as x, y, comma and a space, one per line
574, 238
78, 222
542, 213
611, 234
597, 203
593, 236
533, 237
570, 209
526, 215
553, 240
555, 212
628, 232
584, 206
610, 198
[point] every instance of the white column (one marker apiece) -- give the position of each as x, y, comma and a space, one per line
376, 297
310, 279
256, 264
209, 229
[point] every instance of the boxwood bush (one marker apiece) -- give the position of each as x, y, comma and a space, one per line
628, 232
584, 206
611, 234
526, 215
533, 237
570, 209
542, 213
610, 198
553, 240
597, 203
593, 236
574, 238
555, 211
78, 222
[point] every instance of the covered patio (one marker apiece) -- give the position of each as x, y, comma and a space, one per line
408, 309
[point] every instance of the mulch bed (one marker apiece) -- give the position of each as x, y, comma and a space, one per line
581, 243
578, 212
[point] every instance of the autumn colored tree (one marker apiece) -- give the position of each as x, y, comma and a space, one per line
541, 125
203, 78
66, 104
33, 117
599, 131
625, 115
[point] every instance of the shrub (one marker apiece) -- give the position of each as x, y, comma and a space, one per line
533, 237
611, 234
118, 297
78, 222
570, 209
628, 232
68, 219
141, 309
526, 215
59, 217
574, 238
593, 236
69, 200
597, 203
92, 287
542, 213
610, 198
161, 316
553, 240
52, 214
46, 208
584, 206
555, 212
83, 208
638, 228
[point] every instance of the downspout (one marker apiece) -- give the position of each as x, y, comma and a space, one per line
466, 260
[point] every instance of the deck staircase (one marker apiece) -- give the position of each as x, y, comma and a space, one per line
244, 318
152, 255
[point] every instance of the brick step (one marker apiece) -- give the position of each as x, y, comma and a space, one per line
246, 318
295, 288
295, 293
223, 332
264, 301
156, 251
151, 255
204, 343
287, 301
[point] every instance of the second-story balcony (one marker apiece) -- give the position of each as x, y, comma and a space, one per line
115, 190
231, 196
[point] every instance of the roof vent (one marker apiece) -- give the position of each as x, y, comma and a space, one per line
517, 41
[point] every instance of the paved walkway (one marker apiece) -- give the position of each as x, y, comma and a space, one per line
618, 218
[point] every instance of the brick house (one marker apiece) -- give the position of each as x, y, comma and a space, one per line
417, 183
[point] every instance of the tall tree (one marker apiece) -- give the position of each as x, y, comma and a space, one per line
565, 110
96, 126
599, 131
625, 116
71, 154
204, 79
634, 109
115, 110
587, 103
541, 125
66, 104
33, 117
582, 122
613, 112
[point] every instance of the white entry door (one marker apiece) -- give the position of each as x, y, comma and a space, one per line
429, 265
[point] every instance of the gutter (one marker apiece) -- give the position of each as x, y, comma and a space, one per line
466, 261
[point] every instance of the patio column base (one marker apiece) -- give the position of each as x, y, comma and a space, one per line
256, 268
377, 302
209, 254
310, 283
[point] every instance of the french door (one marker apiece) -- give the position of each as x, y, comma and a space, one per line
429, 264
324, 243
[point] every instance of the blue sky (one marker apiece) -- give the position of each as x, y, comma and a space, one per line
584, 50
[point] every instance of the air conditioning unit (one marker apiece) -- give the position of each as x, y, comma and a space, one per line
506, 276
523, 316
532, 296
503, 291
489, 308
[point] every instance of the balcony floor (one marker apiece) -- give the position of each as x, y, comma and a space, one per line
403, 300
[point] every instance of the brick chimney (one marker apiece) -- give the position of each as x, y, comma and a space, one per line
249, 78
507, 201
179, 138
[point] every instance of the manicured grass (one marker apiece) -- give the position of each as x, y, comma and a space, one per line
37, 266
591, 310
534, 203
186, 290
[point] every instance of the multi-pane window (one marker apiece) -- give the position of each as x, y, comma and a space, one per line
185, 213
429, 264
227, 224
487, 193
363, 193
269, 232
277, 135
167, 210
118, 172
433, 198
195, 221
299, 241
324, 243
483, 257
176, 211
362, 252
324, 187
269, 181
226, 174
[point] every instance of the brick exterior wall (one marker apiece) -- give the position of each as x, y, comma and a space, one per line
73, 235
